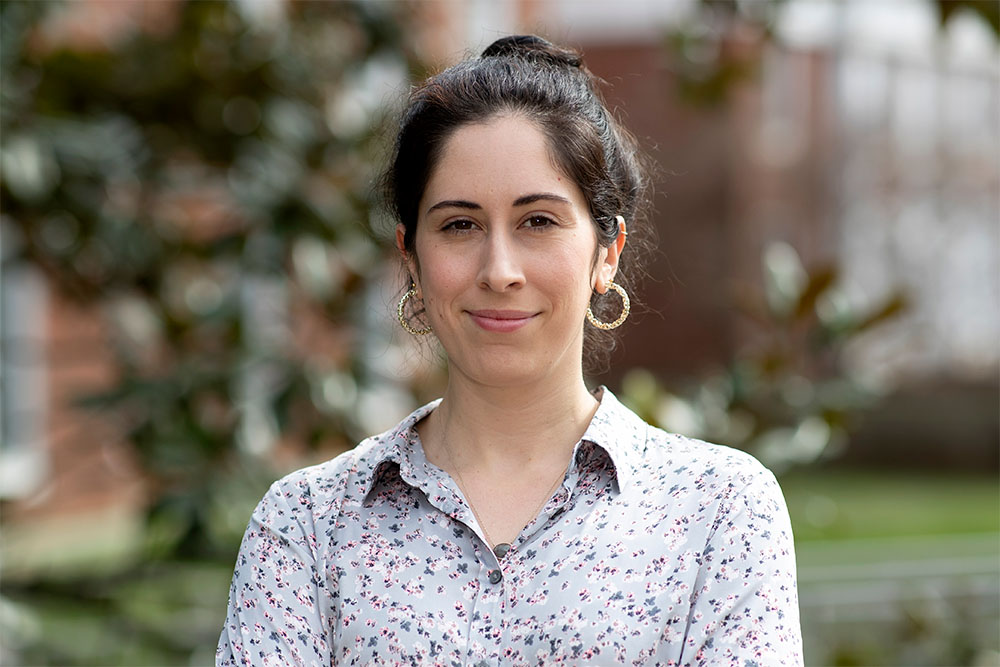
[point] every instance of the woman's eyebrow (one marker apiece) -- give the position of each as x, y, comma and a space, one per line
540, 196
455, 203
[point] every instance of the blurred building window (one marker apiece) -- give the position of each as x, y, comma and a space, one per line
919, 152
912, 160
23, 390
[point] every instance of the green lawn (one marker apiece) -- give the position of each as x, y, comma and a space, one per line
897, 568
837, 505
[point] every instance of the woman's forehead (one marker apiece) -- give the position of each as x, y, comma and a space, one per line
505, 158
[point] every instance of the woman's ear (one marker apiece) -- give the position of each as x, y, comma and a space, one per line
408, 261
609, 267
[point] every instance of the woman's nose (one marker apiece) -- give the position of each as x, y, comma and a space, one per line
500, 268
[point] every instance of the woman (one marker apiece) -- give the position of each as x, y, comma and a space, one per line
520, 519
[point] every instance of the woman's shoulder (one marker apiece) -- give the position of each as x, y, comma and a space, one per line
665, 454
343, 475
352, 471
325, 488
693, 473
699, 455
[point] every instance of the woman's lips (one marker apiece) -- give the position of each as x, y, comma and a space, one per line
501, 321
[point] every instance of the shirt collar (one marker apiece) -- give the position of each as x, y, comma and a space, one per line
619, 432
614, 428
396, 449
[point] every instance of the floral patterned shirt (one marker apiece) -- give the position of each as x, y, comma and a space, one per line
656, 550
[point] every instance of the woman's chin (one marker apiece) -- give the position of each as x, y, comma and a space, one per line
499, 369
510, 375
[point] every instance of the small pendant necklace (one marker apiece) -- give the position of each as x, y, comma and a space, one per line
499, 549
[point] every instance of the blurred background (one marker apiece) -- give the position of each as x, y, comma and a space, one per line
197, 291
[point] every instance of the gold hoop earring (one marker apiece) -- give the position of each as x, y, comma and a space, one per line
607, 326
402, 317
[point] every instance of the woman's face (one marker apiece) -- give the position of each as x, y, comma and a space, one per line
508, 256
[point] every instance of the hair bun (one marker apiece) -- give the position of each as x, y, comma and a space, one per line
532, 47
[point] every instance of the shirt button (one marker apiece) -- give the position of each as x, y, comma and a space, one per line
495, 576
501, 550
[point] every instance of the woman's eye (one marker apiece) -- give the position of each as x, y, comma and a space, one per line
460, 226
538, 222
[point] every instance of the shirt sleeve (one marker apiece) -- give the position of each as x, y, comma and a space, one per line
745, 606
277, 600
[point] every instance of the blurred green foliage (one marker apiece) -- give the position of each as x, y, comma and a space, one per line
787, 397
201, 174
196, 185
719, 47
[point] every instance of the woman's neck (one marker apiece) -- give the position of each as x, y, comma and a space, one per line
504, 429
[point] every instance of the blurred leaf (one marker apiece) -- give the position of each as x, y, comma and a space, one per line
819, 281
893, 307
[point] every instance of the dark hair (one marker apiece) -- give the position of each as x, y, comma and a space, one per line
550, 86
